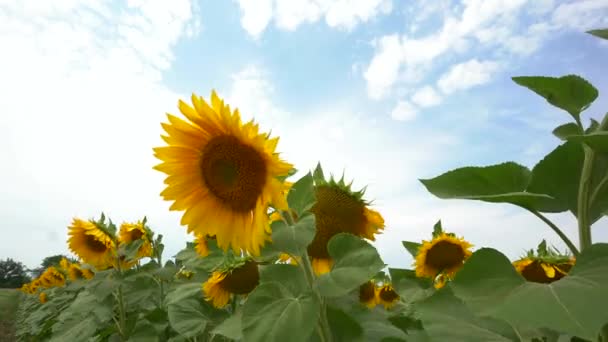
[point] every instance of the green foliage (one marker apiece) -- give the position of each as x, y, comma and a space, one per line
565, 131
13, 274
599, 33
293, 239
301, 196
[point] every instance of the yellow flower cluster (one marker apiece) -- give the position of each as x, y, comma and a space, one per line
56, 276
372, 294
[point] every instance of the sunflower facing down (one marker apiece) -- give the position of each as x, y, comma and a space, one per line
368, 294
91, 244
444, 254
130, 232
545, 266
52, 277
387, 296
222, 173
240, 280
43, 297
338, 209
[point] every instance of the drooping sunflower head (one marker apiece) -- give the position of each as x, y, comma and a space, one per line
387, 296
445, 253
52, 277
368, 294
339, 209
91, 243
130, 232
224, 174
75, 272
64, 264
545, 266
239, 280
86, 273
43, 297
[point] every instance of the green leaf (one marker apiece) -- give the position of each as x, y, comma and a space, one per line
410, 287
603, 33
143, 332
184, 291
380, 330
293, 239
273, 313
301, 196
343, 326
566, 130
563, 185
129, 251
81, 330
592, 126
318, 175
411, 247
597, 140
576, 304
231, 327
502, 183
437, 228
187, 317
289, 276
446, 318
355, 262
571, 93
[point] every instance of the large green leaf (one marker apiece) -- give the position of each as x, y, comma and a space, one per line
411, 247
301, 196
575, 304
597, 140
602, 33
410, 287
567, 130
293, 239
343, 327
571, 93
502, 183
558, 176
231, 327
290, 276
355, 262
273, 313
187, 317
446, 318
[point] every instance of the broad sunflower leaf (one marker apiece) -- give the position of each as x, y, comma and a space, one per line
301, 196
597, 140
410, 287
501, 183
273, 313
411, 247
290, 276
575, 304
293, 239
187, 317
231, 327
602, 33
143, 332
571, 93
343, 327
447, 318
567, 130
355, 262
82, 329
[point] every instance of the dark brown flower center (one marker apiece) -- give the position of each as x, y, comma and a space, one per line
444, 254
235, 173
335, 212
242, 280
135, 234
387, 294
534, 272
367, 292
93, 244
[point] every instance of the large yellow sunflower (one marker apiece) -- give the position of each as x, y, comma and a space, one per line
224, 174
444, 254
91, 244
339, 210
130, 232
222, 284
543, 271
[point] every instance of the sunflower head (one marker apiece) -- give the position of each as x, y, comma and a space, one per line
322, 265
387, 296
94, 245
130, 232
43, 297
201, 246
237, 280
75, 272
545, 266
445, 253
368, 294
52, 277
224, 174
339, 209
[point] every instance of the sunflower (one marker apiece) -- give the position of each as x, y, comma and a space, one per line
368, 294
238, 280
130, 232
222, 173
545, 266
201, 246
444, 254
52, 277
43, 297
387, 296
75, 272
87, 273
338, 209
92, 244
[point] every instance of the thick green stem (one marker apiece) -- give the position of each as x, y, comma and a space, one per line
584, 228
558, 231
122, 316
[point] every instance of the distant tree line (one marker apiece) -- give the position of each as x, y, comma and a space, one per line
13, 273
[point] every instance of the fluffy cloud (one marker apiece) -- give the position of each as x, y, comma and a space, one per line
404, 111
467, 75
426, 97
289, 14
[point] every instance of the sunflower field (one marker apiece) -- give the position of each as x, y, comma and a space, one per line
281, 259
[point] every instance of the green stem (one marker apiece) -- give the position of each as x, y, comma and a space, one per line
584, 228
122, 317
597, 190
161, 285
558, 231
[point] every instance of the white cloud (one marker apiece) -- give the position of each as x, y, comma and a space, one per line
581, 15
467, 75
81, 110
426, 97
383, 71
404, 111
289, 14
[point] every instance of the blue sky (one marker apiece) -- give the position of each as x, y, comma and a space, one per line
389, 91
